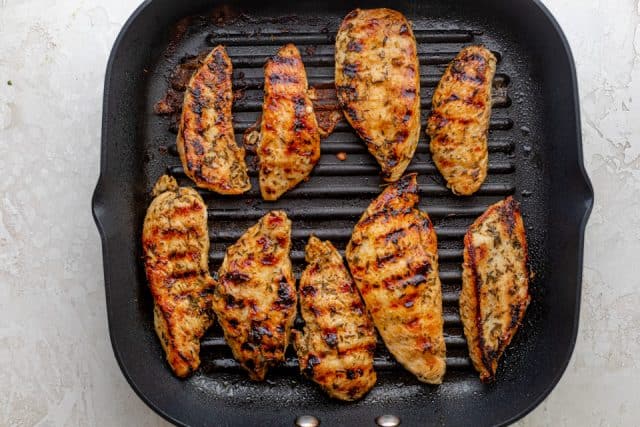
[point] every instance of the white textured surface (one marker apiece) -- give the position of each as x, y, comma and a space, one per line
56, 364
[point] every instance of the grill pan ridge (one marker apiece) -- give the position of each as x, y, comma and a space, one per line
535, 155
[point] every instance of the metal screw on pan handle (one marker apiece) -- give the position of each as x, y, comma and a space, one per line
307, 421
388, 421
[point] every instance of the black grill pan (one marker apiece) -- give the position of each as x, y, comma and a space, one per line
535, 155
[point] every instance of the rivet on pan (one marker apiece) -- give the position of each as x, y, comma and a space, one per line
307, 421
388, 421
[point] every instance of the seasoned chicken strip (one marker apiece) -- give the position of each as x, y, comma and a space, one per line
459, 120
289, 144
378, 85
255, 299
495, 284
206, 143
336, 348
175, 241
393, 256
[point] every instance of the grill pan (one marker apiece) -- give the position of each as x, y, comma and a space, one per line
535, 155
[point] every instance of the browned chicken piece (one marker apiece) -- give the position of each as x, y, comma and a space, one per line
289, 144
495, 284
378, 85
255, 299
336, 348
459, 120
175, 241
206, 143
393, 257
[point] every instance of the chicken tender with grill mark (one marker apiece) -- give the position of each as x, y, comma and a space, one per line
459, 121
495, 284
255, 299
206, 143
289, 142
377, 79
335, 350
175, 241
393, 257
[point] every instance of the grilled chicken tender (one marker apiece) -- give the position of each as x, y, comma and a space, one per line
289, 144
255, 299
206, 143
336, 348
393, 257
459, 120
175, 242
378, 85
495, 284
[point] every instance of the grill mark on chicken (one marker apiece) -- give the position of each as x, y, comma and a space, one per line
255, 301
176, 248
495, 286
335, 349
283, 79
458, 124
289, 140
206, 143
393, 258
377, 83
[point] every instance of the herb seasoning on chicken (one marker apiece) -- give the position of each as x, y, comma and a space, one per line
377, 80
393, 257
459, 120
175, 241
255, 299
206, 142
495, 284
289, 142
336, 348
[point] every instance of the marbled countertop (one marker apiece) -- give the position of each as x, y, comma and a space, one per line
56, 363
